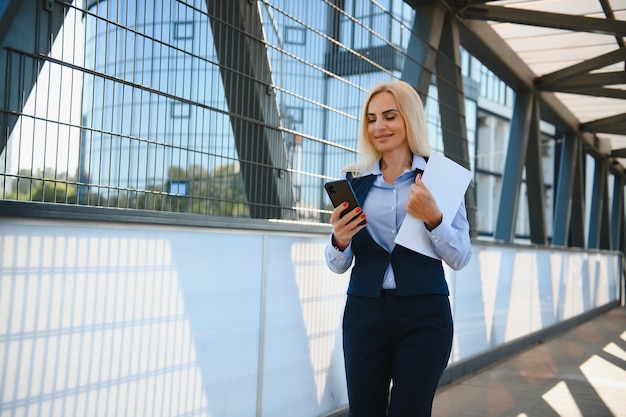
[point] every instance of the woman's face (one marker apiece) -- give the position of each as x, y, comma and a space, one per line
385, 124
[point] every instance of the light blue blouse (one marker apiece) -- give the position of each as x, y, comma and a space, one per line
385, 207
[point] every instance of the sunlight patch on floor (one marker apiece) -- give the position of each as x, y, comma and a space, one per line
615, 350
608, 381
561, 400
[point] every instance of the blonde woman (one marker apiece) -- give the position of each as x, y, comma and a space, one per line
397, 324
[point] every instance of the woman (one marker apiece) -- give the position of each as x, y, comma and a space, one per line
397, 324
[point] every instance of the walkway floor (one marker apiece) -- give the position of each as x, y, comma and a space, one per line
581, 372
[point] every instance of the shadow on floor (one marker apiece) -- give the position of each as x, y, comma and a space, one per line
581, 372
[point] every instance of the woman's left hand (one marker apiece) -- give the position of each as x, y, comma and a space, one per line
422, 205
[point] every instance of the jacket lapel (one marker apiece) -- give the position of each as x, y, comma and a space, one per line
361, 186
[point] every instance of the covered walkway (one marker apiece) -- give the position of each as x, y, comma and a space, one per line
581, 372
163, 218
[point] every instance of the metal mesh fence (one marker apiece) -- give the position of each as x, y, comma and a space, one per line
239, 109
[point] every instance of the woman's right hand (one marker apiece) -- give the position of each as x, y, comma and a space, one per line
347, 226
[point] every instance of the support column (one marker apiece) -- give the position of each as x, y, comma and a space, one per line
604, 242
599, 221
452, 107
577, 221
419, 64
434, 45
253, 109
598, 205
26, 27
568, 191
617, 211
535, 186
514, 164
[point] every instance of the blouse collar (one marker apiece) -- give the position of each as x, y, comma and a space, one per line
418, 163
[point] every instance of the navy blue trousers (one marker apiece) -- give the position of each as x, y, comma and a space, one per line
398, 342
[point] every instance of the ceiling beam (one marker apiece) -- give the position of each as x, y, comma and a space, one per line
594, 92
463, 3
584, 67
546, 19
611, 125
608, 12
618, 153
588, 81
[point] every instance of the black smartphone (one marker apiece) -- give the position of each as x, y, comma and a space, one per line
340, 191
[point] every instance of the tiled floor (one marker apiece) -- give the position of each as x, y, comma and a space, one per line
581, 372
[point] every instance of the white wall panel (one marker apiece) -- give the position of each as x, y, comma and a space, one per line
105, 319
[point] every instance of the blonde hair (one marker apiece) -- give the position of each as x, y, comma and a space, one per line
412, 110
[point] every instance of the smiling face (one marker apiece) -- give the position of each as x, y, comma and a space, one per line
385, 125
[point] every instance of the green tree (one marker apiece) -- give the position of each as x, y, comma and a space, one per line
217, 193
227, 194
45, 186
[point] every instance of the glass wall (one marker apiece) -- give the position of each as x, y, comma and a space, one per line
155, 129
198, 106
495, 107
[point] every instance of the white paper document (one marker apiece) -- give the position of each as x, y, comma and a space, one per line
447, 181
